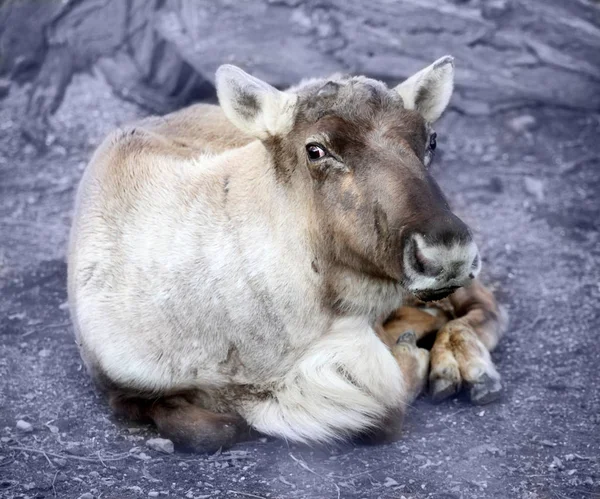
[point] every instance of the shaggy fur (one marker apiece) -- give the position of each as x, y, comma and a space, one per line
219, 277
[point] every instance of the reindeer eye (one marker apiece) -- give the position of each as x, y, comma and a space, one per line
432, 141
315, 151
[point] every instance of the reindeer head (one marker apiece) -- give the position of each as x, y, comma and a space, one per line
360, 152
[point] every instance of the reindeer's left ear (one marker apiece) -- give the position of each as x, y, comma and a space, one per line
429, 90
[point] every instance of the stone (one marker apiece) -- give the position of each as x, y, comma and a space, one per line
4, 87
161, 445
87, 495
390, 482
24, 426
142, 456
289, 3
556, 464
495, 9
153, 493
150, 48
534, 187
523, 123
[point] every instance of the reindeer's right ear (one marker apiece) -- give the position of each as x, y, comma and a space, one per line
252, 105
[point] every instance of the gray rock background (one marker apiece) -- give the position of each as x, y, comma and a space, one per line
518, 155
163, 53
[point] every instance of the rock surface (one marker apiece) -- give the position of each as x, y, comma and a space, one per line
541, 254
163, 54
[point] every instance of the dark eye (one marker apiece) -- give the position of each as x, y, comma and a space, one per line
315, 151
432, 141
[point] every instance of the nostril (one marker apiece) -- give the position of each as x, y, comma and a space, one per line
474, 266
423, 265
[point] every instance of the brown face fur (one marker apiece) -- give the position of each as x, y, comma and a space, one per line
373, 185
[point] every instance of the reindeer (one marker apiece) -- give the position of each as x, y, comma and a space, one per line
245, 266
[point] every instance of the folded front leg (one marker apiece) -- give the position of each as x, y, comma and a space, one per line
413, 362
460, 355
421, 320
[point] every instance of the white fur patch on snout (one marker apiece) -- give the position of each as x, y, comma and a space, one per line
456, 264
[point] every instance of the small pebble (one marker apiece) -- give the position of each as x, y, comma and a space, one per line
87, 495
142, 456
24, 426
4, 87
556, 464
494, 9
534, 187
522, 123
153, 493
161, 445
389, 482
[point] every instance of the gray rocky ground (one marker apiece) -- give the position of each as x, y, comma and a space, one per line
524, 173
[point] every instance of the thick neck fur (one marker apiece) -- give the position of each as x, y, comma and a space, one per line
287, 210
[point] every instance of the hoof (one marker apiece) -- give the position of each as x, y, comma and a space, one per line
441, 389
408, 337
486, 390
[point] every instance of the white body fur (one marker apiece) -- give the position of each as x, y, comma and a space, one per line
166, 281
190, 268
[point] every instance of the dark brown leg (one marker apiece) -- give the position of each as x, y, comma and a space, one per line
186, 424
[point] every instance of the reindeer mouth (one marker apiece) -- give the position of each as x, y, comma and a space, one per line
435, 294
